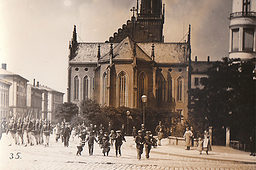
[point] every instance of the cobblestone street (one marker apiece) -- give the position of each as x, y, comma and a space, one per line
59, 157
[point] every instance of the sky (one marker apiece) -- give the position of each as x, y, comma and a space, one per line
35, 34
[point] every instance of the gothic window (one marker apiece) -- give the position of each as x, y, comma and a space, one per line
160, 89
169, 84
105, 80
179, 89
76, 88
86, 88
122, 89
235, 39
248, 39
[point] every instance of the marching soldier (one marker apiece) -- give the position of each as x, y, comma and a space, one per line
25, 132
41, 131
118, 142
149, 142
33, 133
37, 131
29, 131
139, 140
19, 132
12, 126
46, 132
90, 139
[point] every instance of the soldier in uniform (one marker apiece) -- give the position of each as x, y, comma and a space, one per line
90, 139
105, 144
41, 131
46, 132
118, 142
12, 126
139, 140
37, 131
29, 131
149, 142
19, 132
25, 132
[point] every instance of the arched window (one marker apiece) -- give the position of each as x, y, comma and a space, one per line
169, 88
86, 88
179, 89
76, 88
104, 91
122, 89
160, 89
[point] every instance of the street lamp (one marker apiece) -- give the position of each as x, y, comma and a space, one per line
144, 101
128, 114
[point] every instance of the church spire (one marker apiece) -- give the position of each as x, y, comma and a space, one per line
74, 38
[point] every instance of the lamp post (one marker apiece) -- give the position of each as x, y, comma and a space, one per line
144, 101
128, 113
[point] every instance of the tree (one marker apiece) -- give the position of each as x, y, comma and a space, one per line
66, 111
227, 100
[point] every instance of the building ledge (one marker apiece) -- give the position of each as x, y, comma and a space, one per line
243, 14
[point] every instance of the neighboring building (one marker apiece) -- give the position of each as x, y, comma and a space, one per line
17, 92
243, 29
50, 100
4, 93
134, 62
34, 101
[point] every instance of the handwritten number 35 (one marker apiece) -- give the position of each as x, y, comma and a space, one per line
17, 156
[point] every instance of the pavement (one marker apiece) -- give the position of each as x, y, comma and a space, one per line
58, 157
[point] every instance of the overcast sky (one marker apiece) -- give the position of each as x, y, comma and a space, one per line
34, 34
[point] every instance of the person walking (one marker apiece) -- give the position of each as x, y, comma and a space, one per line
188, 135
112, 137
90, 139
105, 144
149, 142
12, 127
139, 140
252, 146
134, 131
66, 134
118, 142
160, 129
82, 137
46, 132
57, 132
206, 142
19, 132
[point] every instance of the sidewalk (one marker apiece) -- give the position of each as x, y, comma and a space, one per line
219, 153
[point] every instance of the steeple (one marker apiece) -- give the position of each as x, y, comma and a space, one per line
151, 8
73, 44
74, 38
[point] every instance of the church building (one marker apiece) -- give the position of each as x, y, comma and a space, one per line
135, 61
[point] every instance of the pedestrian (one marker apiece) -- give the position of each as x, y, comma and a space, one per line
29, 132
143, 130
252, 146
46, 132
62, 128
200, 145
206, 142
19, 132
66, 134
57, 132
188, 135
90, 139
160, 129
105, 145
139, 140
12, 126
134, 132
112, 137
118, 142
149, 142
100, 136
41, 131
82, 137
192, 137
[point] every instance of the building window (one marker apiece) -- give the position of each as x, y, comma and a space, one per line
179, 89
169, 84
86, 88
196, 81
160, 90
105, 80
246, 6
122, 89
248, 39
76, 89
235, 39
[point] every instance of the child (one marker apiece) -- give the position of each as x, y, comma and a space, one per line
200, 145
105, 145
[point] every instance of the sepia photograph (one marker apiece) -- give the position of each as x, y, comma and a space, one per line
128, 84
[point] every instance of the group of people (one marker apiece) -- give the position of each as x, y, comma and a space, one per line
28, 131
105, 139
203, 143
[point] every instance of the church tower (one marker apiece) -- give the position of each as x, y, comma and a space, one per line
145, 26
243, 29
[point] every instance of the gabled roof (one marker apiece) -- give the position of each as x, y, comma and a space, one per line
166, 52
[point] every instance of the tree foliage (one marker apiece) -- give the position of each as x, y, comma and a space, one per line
227, 100
66, 111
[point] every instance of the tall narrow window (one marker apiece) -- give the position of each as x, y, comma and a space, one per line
86, 88
179, 89
248, 39
169, 84
196, 81
160, 90
105, 80
246, 6
122, 89
76, 88
235, 40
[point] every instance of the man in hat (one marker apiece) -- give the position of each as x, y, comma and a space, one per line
82, 137
90, 139
46, 132
66, 134
118, 142
12, 127
19, 132
139, 140
148, 143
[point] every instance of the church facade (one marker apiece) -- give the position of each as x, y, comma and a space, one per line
135, 61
